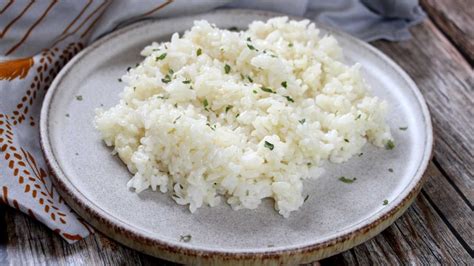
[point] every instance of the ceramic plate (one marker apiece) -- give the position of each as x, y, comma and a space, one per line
335, 217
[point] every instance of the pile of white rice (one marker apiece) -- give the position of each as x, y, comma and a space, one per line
241, 116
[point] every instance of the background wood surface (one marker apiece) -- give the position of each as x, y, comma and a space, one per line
437, 229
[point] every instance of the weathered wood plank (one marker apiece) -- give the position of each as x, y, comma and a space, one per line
447, 83
419, 237
455, 19
455, 212
31, 243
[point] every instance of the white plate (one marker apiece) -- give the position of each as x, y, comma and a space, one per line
336, 216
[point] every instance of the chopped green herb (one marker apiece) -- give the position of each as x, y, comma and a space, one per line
254, 91
77, 153
289, 99
283, 84
227, 68
128, 68
270, 246
390, 170
199, 52
403, 128
185, 238
358, 116
102, 104
174, 122
272, 55
251, 47
191, 87
233, 29
385, 202
347, 180
162, 97
242, 76
134, 88
237, 115
205, 103
302, 121
269, 145
175, 105
389, 145
250, 79
67, 115
265, 89
346, 140
167, 79
306, 198
209, 125
186, 81
308, 164
79, 97
290, 44
154, 50
248, 39
360, 154
161, 57
228, 108
171, 71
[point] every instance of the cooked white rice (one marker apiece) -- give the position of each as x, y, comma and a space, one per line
241, 116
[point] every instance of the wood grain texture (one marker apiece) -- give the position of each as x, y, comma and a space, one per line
456, 19
31, 243
449, 205
419, 237
446, 80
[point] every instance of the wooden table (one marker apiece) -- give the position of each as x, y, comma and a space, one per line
437, 228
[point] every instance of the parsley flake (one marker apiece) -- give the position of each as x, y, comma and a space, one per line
390, 170
389, 145
290, 44
250, 79
403, 128
346, 140
385, 202
167, 79
265, 89
161, 57
227, 69
119, 80
306, 198
358, 116
289, 99
228, 108
199, 52
205, 103
186, 81
302, 121
185, 238
79, 97
269, 145
347, 180
251, 47
254, 91
283, 84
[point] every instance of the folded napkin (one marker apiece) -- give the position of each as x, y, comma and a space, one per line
39, 38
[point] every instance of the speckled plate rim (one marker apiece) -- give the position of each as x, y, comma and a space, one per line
126, 234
